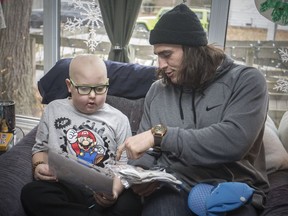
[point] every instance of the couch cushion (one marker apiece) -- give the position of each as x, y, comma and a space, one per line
276, 156
283, 130
133, 109
277, 202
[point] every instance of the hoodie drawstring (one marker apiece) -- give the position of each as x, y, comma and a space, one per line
180, 105
193, 106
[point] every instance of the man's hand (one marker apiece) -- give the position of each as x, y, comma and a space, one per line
42, 172
136, 146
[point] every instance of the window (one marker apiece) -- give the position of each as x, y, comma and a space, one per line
72, 43
49, 27
254, 40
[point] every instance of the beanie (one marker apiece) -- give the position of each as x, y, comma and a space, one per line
179, 26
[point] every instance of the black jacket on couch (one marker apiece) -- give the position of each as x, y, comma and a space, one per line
126, 80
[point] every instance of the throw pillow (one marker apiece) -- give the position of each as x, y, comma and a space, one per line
283, 130
276, 156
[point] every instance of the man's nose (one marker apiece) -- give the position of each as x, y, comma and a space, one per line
162, 63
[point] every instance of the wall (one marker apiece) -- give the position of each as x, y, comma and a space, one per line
251, 33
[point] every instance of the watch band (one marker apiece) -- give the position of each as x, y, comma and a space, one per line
158, 132
157, 141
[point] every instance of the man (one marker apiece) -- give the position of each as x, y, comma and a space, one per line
206, 115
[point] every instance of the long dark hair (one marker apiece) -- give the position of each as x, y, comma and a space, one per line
198, 66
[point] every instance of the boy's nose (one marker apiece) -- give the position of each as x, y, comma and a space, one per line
92, 93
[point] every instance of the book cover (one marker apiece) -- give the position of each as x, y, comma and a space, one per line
74, 170
69, 168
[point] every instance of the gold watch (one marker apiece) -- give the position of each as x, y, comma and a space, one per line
158, 132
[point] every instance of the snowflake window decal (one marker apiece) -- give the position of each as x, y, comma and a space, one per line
284, 54
90, 16
282, 84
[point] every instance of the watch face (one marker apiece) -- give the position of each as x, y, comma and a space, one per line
159, 130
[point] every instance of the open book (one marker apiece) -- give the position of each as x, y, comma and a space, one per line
77, 171
136, 175
69, 168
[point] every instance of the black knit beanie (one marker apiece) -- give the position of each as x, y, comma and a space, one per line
179, 26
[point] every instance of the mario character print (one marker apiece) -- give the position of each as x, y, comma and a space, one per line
88, 140
87, 145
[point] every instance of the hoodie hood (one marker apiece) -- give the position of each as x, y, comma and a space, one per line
225, 67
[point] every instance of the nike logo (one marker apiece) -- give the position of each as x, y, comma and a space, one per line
212, 107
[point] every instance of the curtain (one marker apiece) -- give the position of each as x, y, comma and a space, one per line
119, 17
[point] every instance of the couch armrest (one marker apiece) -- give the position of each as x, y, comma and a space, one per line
15, 172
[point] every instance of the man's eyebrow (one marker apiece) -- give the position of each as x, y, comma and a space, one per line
155, 53
161, 52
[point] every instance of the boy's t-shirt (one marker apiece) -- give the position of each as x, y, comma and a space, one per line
93, 138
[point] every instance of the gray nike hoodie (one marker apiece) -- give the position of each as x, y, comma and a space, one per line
214, 135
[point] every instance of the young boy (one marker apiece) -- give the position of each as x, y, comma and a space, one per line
87, 127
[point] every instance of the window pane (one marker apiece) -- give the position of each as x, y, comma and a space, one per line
75, 38
150, 14
78, 23
255, 40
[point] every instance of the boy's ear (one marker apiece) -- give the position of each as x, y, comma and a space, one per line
68, 84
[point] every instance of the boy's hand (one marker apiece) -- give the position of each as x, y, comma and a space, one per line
42, 172
105, 200
145, 189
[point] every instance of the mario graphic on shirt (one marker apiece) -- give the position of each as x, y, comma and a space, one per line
86, 146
